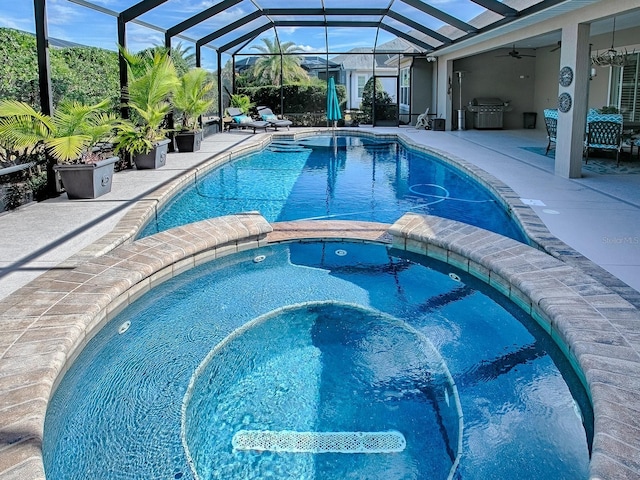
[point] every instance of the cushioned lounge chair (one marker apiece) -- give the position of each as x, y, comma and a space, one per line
268, 116
241, 120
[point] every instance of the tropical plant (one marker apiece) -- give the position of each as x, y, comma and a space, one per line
609, 109
190, 97
71, 134
241, 101
278, 64
152, 79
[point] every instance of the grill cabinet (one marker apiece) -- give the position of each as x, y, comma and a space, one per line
487, 112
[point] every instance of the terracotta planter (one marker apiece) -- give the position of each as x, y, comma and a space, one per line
87, 180
188, 141
156, 158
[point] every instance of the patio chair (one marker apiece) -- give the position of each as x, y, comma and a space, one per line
268, 116
551, 123
423, 120
604, 135
241, 120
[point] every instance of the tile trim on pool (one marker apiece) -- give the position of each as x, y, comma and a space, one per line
44, 325
139, 215
597, 330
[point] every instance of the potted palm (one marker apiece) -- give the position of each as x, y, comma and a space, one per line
190, 100
77, 136
152, 79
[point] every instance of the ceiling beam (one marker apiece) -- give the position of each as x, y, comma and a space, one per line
229, 28
201, 17
322, 23
408, 38
324, 11
440, 15
415, 25
497, 7
139, 8
247, 36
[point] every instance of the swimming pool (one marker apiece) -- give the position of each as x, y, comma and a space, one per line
340, 178
118, 412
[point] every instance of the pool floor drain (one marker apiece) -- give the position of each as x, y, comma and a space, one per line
340, 252
319, 442
259, 258
454, 277
124, 327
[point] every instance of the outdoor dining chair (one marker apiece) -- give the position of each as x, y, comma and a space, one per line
604, 135
551, 123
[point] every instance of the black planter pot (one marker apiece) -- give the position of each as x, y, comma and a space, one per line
188, 141
87, 180
156, 158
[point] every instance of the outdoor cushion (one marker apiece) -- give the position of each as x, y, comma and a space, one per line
269, 117
242, 119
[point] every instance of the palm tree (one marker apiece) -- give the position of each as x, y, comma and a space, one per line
152, 80
191, 97
278, 64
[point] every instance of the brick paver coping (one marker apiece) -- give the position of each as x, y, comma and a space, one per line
44, 325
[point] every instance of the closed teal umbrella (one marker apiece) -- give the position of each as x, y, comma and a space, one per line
333, 107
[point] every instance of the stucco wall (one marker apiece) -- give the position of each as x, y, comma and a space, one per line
493, 75
422, 88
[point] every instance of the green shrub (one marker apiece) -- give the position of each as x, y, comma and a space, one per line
82, 74
299, 99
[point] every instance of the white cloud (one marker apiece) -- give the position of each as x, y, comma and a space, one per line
310, 49
17, 23
62, 13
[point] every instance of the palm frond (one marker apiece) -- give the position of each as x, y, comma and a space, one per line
69, 147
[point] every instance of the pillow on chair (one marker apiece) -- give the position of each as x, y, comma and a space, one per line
242, 119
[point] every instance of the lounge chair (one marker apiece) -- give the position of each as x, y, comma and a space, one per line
240, 120
268, 116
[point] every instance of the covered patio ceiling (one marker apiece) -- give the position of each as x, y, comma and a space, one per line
230, 26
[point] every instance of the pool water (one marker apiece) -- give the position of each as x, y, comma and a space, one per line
323, 367
313, 337
341, 178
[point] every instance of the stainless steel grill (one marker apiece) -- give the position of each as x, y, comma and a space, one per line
487, 112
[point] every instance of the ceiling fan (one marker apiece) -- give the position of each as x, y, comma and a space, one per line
515, 54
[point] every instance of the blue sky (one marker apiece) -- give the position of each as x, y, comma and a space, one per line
76, 23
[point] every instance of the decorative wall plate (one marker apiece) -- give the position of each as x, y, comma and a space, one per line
564, 102
566, 76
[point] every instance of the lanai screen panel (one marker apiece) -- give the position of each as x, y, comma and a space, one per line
444, 21
343, 39
230, 15
307, 39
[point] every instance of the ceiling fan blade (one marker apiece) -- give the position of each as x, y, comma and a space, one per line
557, 47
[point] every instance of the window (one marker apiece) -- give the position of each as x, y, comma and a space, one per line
404, 86
362, 80
625, 88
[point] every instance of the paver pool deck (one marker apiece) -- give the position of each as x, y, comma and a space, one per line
68, 267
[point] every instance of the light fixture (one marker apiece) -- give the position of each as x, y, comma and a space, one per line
610, 58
